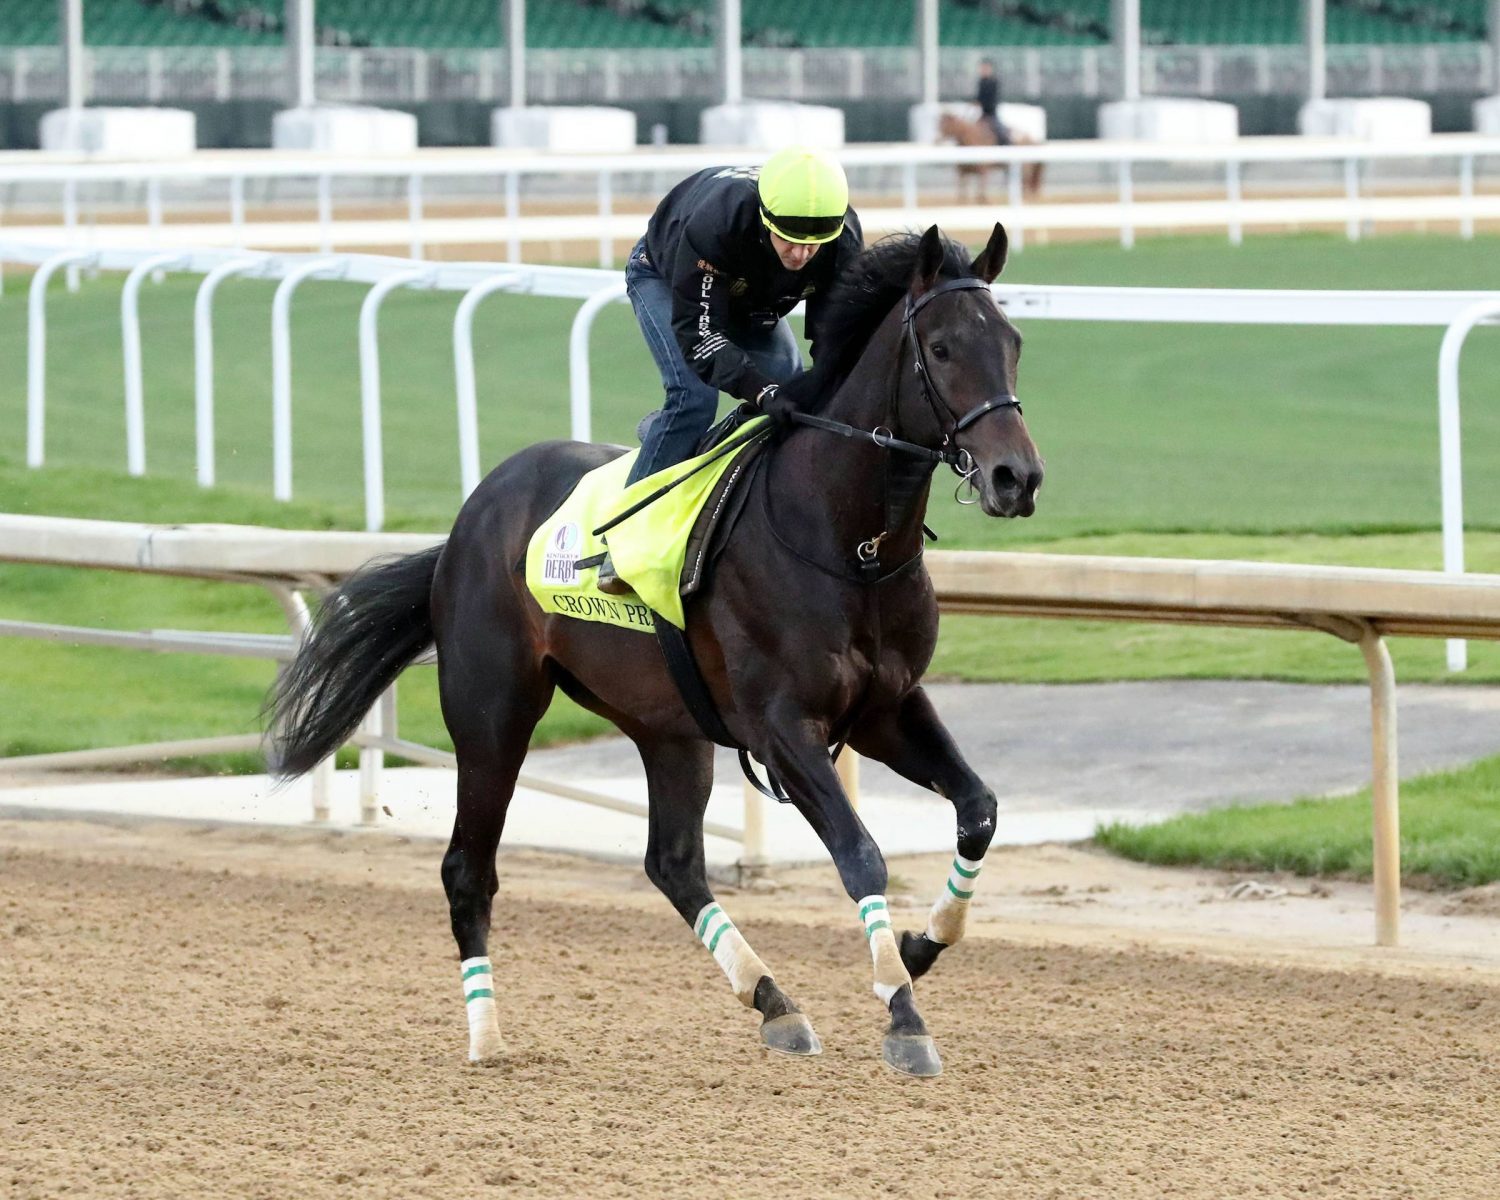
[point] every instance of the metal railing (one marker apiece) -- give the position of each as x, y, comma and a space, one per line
1458, 313
182, 74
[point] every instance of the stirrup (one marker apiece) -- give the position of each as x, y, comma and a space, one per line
608, 582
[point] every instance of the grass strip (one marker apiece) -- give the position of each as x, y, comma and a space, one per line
1450, 833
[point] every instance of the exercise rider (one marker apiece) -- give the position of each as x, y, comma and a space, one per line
727, 254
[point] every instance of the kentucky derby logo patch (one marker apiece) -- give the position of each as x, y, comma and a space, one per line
560, 563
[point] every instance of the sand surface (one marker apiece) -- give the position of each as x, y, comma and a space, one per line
190, 1010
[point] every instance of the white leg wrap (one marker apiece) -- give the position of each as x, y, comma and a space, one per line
945, 924
890, 972
479, 999
731, 951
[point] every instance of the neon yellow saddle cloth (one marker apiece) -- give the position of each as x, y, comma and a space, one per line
648, 548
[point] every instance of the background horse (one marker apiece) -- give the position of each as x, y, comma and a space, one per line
816, 626
979, 133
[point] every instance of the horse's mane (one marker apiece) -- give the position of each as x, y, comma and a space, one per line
858, 302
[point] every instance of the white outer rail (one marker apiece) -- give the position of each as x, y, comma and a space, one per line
369, 387
463, 373
1449, 310
281, 366
237, 167
1450, 449
36, 351
130, 328
203, 358
579, 385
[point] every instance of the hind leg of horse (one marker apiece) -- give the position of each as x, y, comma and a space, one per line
796, 750
491, 715
679, 774
913, 741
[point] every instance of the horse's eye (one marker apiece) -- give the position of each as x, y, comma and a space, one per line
940, 351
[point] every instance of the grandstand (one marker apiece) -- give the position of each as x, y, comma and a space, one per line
791, 24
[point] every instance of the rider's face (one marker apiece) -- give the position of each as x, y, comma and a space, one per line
794, 255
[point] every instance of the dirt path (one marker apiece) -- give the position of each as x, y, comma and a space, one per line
266, 1013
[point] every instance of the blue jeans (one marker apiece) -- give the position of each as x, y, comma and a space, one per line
671, 435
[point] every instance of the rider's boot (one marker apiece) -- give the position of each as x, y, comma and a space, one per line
608, 582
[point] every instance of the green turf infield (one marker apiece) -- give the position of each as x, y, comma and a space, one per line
1450, 833
1251, 442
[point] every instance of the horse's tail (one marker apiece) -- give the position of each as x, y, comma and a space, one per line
364, 635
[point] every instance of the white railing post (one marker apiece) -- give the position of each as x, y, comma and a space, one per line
130, 329
606, 212
281, 367
70, 223
1450, 450
369, 389
237, 209
414, 213
36, 351
512, 217
1384, 785
1466, 192
203, 360
325, 214
1232, 191
578, 359
1015, 174
463, 372
1351, 195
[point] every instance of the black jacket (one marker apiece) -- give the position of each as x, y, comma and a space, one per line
989, 94
707, 240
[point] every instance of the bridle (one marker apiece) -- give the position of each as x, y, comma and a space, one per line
949, 423
959, 459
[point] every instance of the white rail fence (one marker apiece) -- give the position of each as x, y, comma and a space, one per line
71, 183
1458, 313
1358, 605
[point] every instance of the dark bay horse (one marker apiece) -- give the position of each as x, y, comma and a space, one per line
978, 133
817, 626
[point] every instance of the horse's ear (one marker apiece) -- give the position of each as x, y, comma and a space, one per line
930, 253
991, 260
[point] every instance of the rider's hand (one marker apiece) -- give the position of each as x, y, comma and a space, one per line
775, 405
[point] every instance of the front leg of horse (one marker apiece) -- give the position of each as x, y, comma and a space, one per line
797, 753
912, 740
679, 775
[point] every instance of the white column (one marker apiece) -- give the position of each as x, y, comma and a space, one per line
727, 48
1126, 19
926, 22
300, 40
1314, 19
70, 38
513, 31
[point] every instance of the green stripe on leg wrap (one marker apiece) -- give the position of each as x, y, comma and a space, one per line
722, 928
477, 994
964, 871
481, 969
870, 907
708, 915
959, 894
873, 926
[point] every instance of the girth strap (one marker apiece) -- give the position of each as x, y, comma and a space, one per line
682, 666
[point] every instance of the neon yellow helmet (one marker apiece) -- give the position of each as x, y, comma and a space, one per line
803, 195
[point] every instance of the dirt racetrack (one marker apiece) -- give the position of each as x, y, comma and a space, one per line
189, 1011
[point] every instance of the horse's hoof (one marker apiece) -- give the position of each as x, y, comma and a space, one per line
791, 1033
912, 1054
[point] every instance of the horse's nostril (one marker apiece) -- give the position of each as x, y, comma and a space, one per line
1005, 480
1033, 481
